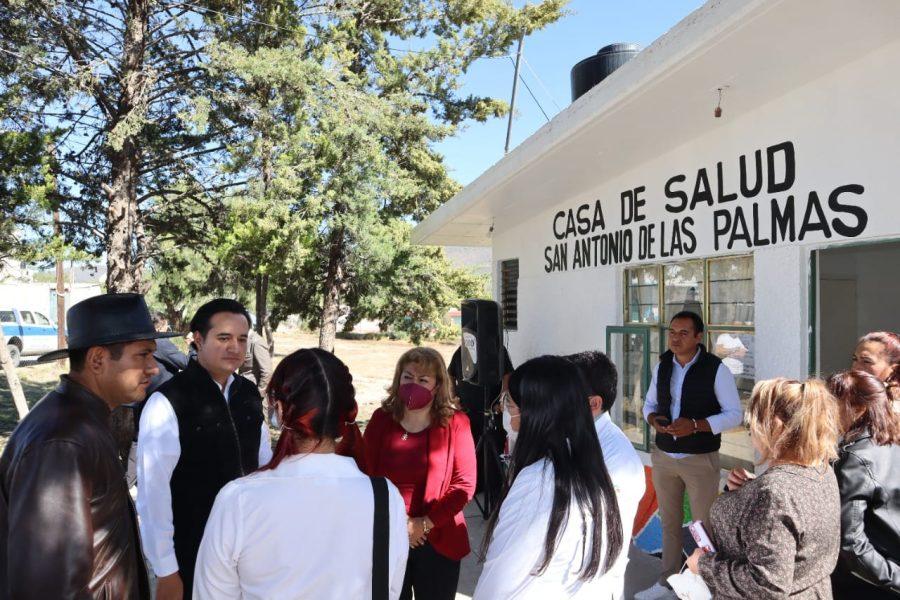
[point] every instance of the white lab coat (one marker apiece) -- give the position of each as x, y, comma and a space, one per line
518, 545
627, 474
302, 530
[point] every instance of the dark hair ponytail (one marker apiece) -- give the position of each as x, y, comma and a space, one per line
318, 401
556, 425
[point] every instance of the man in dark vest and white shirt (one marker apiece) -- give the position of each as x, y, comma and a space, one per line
200, 430
692, 399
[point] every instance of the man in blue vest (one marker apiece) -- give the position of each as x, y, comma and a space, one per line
692, 399
201, 429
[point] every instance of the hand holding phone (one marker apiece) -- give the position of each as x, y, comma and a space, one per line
660, 423
698, 532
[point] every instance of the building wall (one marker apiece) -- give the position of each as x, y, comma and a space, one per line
843, 128
781, 295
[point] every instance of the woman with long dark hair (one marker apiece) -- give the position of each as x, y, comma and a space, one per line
868, 474
557, 530
302, 525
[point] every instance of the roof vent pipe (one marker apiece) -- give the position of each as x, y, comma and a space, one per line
594, 69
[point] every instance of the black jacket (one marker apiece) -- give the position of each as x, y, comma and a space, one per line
219, 442
67, 525
869, 480
171, 360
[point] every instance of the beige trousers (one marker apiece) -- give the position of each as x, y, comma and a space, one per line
698, 475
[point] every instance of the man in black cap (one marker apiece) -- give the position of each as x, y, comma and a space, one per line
200, 430
67, 525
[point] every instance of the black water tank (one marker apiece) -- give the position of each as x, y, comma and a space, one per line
594, 69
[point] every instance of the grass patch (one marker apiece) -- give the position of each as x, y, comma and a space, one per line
36, 380
350, 335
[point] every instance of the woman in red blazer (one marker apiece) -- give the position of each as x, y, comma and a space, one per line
421, 442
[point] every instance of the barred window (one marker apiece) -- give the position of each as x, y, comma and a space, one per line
509, 292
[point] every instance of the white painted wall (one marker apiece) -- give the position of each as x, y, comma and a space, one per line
781, 294
845, 129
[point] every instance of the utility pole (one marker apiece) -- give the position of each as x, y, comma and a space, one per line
60, 291
60, 272
512, 102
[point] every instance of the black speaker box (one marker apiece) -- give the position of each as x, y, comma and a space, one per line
482, 342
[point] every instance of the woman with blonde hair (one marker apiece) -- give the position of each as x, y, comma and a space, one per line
868, 474
422, 443
777, 535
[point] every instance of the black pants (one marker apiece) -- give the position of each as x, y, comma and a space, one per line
430, 575
845, 586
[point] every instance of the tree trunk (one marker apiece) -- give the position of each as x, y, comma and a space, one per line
12, 378
331, 303
121, 275
262, 309
262, 279
262, 312
175, 317
122, 227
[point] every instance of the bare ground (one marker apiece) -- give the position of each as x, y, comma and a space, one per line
371, 362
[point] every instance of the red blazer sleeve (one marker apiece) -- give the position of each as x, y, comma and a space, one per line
372, 439
463, 476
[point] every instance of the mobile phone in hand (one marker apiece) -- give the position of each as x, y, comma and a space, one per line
688, 543
701, 537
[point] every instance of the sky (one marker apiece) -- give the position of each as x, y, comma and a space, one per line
550, 54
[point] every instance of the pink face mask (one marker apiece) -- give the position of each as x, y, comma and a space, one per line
414, 395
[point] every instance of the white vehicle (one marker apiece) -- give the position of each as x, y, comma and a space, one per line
28, 332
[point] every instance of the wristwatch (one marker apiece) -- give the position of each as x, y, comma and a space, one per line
425, 527
696, 429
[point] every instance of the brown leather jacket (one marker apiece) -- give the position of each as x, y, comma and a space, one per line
67, 524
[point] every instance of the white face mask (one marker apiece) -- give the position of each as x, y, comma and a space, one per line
511, 434
275, 417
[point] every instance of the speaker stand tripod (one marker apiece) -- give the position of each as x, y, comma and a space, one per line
486, 453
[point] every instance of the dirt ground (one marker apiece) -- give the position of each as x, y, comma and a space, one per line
371, 362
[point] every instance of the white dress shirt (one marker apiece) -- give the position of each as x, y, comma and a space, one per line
627, 473
733, 345
158, 451
518, 546
301, 530
725, 390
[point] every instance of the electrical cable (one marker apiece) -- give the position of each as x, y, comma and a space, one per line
544, 87
530, 93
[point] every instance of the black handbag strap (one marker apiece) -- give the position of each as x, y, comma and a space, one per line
380, 540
